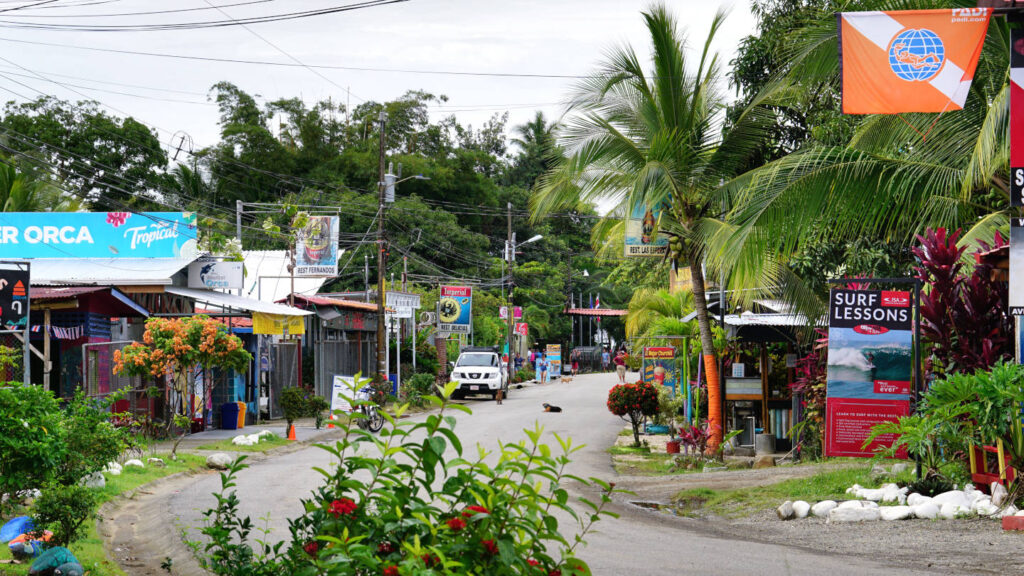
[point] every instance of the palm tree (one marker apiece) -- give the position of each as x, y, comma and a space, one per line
652, 313
25, 190
897, 176
657, 139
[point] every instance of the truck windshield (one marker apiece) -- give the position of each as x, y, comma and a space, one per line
478, 360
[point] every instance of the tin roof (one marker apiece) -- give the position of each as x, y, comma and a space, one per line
322, 301
106, 271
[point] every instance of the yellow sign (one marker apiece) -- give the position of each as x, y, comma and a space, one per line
277, 324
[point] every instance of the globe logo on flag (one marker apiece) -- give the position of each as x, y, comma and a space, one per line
916, 55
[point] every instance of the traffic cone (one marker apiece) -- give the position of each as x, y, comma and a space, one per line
330, 424
291, 432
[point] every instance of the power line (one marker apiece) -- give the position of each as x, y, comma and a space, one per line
293, 65
174, 11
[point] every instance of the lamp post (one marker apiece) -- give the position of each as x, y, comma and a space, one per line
510, 257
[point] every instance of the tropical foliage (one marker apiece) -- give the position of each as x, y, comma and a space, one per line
634, 403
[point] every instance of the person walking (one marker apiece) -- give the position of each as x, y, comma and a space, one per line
542, 365
575, 357
606, 359
620, 365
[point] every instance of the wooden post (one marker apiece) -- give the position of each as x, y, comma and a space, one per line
766, 422
47, 367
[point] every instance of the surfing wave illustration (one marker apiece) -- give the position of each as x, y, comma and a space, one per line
886, 362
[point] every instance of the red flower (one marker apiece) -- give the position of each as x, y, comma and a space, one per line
385, 548
555, 572
474, 510
430, 560
456, 524
311, 547
116, 219
490, 547
532, 562
343, 506
390, 571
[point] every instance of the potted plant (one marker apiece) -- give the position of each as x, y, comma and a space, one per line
669, 405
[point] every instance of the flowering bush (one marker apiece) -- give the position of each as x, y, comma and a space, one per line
634, 402
172, 344
408, 502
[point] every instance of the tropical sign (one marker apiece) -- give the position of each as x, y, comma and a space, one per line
870, 367
455, 310
98, 235
554, 358
659, 366
642, 238
316, 247
909, 60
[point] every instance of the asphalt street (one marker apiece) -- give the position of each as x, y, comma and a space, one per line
640, 540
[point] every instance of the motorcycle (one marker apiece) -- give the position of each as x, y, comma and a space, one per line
372, 419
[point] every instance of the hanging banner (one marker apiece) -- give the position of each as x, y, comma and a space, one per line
659, 366
14, 286
278, 324
909, 60
316, 247
554, 358
522, 328
215, 275
870, 367
98, 235
517, 313
1016, 300
455, 310
641, 236
1016, 118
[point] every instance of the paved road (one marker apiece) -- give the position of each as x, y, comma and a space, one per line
638, 542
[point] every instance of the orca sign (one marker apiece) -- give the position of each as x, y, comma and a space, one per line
98, 235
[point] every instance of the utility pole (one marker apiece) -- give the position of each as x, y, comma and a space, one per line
382, 367
366, 276
239, 208
568, 301
511, 255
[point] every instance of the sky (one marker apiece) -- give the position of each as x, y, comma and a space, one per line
554, 37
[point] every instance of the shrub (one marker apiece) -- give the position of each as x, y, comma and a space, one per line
317, 407
380, 390
669, 405
525, 374
416, 389
92, 440
63, 509
418, 510
293, 404
31, 439
634, 402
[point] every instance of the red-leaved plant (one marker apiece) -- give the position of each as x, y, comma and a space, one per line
964, 318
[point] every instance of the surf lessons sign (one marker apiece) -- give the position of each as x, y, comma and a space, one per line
98, 235
870, 362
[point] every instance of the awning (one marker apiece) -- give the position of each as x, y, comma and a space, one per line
106, 271
224, 300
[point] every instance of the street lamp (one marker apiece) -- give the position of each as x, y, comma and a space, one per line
510, 256
390, 181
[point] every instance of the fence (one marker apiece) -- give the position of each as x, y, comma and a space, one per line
284, 374
347, 357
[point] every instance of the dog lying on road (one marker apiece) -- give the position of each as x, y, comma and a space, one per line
550, 408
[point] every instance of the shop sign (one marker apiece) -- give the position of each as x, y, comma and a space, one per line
517, 313
98, 235
215, 275
278, 324
14, 286
455, 310
642, 237
316, 247
659, 366
554, 358
870, 364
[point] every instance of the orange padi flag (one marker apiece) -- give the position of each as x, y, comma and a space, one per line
909, 60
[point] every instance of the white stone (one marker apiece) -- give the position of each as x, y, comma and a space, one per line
134, 462
850, 504
95, 481
950, 511
785, 511
853, 515
998, 493
266, 433
915, 499
821, 509
986, 508
853, 489
899, 468
255, 438
895, 512
927, 510
873, 495
955, 497
218, 461
1019, 513
158, 462
869, 504
113, 468
801, 508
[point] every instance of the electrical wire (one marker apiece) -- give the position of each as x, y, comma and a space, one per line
174, 11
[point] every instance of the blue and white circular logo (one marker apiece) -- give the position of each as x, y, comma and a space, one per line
916, 55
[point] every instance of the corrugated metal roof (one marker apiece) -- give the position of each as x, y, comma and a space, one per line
272, 267
61, 292
595, 312
106, 271
322, 301
235, 322
236, 302
752, 319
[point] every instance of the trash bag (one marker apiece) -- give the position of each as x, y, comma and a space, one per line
16, 527
51, 560
69, 569
26, 549
45, 537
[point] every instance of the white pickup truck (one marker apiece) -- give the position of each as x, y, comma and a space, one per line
479, 370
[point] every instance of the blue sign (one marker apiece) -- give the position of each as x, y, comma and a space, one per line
98, 235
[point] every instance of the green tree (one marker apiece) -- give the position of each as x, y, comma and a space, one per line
93, 154
654, 139
23, 189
